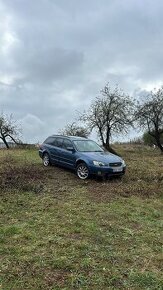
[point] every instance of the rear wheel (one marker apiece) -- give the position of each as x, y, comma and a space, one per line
46, 160
82, 171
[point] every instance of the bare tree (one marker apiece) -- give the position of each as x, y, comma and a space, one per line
75, 130
110, 113
9, 130
149, 115
150, 140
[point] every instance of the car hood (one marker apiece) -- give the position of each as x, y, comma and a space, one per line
104, 157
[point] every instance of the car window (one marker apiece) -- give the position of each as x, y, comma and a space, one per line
87, 146
59, 142
54, 142
67, 143
50, 141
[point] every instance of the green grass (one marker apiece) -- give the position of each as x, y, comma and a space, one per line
58, 232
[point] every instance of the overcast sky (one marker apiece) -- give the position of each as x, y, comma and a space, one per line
56, 55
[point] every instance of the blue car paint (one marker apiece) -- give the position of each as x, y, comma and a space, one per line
71, 159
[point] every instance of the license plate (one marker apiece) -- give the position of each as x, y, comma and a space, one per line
118, 169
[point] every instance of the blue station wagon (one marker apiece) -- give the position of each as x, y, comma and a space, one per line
83, 155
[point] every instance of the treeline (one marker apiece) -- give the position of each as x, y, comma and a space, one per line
111, 113
145, 139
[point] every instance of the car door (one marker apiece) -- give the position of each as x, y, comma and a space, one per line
68, 157
59, 148
53, 150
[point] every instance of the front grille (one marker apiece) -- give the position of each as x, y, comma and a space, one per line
115, 164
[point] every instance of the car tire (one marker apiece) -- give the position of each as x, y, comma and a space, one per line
46, 160
82, 171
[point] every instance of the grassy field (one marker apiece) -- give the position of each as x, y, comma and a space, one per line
58, 232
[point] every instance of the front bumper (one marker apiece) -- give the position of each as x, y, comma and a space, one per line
106, 171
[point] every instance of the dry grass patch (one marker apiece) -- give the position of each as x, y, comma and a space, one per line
80, 234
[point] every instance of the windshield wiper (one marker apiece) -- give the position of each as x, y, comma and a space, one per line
92, 151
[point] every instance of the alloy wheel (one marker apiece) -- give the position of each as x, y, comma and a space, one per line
46, 160
82, 171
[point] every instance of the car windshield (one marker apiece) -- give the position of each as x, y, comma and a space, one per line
87, 146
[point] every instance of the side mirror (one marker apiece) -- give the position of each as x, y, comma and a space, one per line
71, 149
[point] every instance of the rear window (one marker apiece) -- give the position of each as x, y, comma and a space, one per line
50, 141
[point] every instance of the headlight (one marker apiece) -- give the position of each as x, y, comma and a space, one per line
123, 163
98, 163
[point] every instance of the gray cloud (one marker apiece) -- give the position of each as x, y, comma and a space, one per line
55, 56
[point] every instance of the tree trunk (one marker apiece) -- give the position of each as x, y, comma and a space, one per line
5, 142
110, 149
108, 136
107, 144
158, 139
101, 136
159, 143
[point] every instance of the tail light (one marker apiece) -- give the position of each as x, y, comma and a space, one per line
40, 146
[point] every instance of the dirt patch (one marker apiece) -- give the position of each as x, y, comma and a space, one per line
55, 277
26, 177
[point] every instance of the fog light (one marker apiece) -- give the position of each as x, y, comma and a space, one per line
99, 172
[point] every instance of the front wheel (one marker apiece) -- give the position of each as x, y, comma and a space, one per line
46, 160
82, 171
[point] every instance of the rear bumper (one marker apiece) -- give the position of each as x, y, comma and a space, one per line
40, 153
